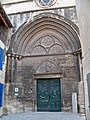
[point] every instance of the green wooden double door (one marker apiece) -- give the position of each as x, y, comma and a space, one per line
48, 95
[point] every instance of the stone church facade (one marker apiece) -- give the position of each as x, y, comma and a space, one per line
44, 62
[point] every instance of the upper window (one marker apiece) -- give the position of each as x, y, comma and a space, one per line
45, 3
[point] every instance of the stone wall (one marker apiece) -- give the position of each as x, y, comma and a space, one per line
3, 34
18, 19
46, 44
26, 81
83, 10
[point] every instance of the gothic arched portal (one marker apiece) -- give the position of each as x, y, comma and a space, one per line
47, 48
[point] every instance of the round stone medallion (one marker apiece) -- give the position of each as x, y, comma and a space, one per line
45, 3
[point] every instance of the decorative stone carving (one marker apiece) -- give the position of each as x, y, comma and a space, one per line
38, 50
47, 66
45, 3
47, 45
47, 41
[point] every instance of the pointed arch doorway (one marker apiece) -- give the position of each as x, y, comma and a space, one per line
48, 92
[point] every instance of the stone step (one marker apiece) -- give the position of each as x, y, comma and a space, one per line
43, 116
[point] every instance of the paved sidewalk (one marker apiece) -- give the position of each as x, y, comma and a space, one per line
42, 116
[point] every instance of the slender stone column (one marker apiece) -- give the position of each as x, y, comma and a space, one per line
14, 68
81, 99
80, 66
7, 78
7, 68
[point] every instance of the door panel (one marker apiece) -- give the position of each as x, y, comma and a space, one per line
48, 95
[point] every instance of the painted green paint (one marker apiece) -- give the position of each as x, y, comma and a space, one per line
48, 95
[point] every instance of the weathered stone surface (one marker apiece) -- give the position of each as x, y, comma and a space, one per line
26, 83
46, 45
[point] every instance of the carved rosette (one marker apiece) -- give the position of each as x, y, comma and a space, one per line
45, 3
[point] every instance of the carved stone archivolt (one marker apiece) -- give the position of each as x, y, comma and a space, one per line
50, 29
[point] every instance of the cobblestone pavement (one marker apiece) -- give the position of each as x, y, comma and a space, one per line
42, 116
